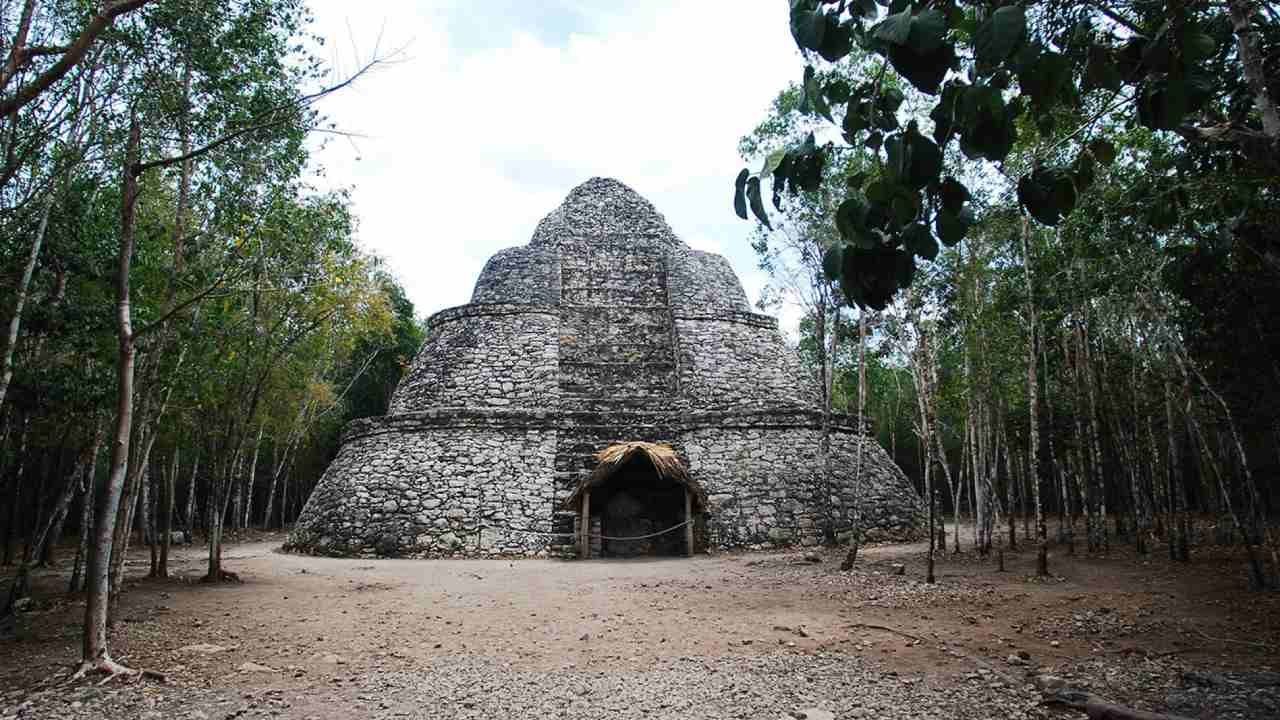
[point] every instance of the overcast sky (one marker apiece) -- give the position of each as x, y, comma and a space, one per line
495, 110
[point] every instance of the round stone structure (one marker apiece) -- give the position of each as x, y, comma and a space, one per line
605, 328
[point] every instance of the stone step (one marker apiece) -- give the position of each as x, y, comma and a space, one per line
598, 257
659, 351
614, 296
582, 403
607, 380
579, 277
595, 323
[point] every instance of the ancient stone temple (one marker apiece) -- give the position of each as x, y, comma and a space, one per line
605, 328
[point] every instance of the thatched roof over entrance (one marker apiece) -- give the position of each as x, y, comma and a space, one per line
663, 458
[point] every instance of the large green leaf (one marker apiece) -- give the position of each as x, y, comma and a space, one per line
917, 46
1048, 194
997, 38
1100, 71
740, 194
1164, 103
1083, 171
987, 125
953, 194
903, 208
928, 30
771, 162
894, 29
1103, 151
757, 204
925, 163
833, 262
1159, 108
944, 113
807, 162
951, 227
917, 238
837, 39
1046, 79
813, 95
837, 91
851, 220
925, 71
808, 24
1197, 46
912, 159
871, 277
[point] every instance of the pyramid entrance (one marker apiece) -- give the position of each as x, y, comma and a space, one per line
639, 501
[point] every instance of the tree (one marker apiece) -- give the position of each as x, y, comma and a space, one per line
992, 71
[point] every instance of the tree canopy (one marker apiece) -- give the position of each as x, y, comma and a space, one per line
983, 75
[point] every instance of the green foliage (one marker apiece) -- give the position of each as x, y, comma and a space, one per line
984, 74
253, 305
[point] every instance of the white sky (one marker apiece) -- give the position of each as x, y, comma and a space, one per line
497, 109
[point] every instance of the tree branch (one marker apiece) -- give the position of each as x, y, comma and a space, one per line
72, 57
160, 321
302, 102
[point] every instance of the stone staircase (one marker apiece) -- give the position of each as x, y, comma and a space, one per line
617, 354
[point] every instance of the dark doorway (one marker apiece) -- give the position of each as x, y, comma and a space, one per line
634, 501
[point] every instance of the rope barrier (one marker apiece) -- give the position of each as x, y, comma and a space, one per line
589, 536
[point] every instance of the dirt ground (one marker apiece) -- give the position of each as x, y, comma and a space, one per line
730, 635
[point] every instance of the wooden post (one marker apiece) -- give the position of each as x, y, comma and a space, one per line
688, 520
584, 544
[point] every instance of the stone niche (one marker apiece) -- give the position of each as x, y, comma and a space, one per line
605, 328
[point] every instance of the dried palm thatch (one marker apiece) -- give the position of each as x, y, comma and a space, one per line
664, 459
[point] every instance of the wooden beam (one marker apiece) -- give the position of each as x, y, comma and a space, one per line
688, 520
584, 543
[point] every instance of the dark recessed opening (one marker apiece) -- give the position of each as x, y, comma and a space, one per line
637, 501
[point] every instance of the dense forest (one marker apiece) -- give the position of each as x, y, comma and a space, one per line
189, 323
1051, 281
1033, 244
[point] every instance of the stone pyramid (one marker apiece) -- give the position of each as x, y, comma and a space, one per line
605, 328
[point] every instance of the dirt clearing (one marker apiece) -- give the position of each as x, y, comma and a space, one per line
726, 636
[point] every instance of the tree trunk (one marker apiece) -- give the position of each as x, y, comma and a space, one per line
221, 499
86, 515
136, 479
1252, 532
1251, 61
253, 472
189, 527
1033, 401
24, 284
166, 516
15, 493
21, 585
95, 654
148, 505
1176, 539
855, 537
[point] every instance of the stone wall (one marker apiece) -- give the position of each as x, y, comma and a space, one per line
766, 487
437, 491
889, 506
523, 275
485, 356
739, 363
602, 208
468, 482
703, 284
